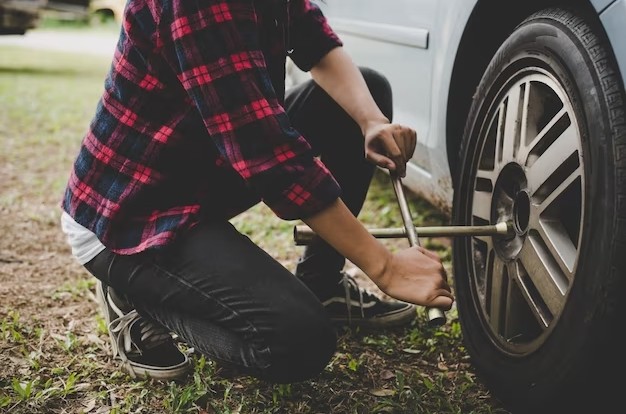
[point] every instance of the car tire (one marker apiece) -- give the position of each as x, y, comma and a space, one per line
544, 148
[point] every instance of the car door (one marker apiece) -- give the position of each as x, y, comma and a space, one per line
392, 37
396, 37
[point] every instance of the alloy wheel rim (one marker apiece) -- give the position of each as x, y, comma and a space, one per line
529, 171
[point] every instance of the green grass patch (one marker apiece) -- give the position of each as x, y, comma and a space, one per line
47, 101
96, 24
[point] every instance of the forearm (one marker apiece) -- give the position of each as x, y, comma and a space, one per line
337, 74
339, 228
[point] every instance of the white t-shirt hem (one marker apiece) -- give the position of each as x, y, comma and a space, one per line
84, 243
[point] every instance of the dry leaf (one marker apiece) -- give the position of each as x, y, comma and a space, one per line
94, 339
382, 392
103, 410
89, 405
386, 374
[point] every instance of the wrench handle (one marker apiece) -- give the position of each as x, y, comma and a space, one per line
436, 317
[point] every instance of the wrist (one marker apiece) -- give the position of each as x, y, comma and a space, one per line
377, 268
373, 122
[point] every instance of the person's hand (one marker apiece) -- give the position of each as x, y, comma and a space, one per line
389, 146
416, 275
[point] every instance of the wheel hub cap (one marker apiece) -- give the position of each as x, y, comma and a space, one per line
529, 171
511, 203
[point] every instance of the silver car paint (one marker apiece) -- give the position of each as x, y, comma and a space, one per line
614, 20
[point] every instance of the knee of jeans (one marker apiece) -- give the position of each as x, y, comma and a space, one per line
380, 88
307, 352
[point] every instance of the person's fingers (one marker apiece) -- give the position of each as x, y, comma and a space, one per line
389, 147
398, 138
406, 139
445, 292
380, 160
410, 141
392, 144
443, 301
393, 151
444, 285
403, 138
429, 253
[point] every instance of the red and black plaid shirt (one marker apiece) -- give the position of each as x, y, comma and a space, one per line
191, 122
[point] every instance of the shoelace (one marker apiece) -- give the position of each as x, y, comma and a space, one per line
152, 334
349, 283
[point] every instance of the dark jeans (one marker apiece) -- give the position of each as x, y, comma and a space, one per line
231, 300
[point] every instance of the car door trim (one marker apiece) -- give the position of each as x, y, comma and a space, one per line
402, 35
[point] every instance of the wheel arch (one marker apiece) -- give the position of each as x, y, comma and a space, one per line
108, 9
475, 50
105, 11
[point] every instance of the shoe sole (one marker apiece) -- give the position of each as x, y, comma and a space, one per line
135, 369
393, 320
101, 299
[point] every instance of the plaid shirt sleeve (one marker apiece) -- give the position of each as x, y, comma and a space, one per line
310, 36
215, 50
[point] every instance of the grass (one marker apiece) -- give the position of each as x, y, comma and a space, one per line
53, 344
101, 27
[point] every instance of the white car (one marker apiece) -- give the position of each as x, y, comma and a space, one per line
519, 108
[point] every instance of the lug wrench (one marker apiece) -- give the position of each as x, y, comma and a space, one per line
303, 235
436, 317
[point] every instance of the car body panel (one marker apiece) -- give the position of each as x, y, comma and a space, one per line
364, 29
613, 19
388, 36
600, 5
399, 49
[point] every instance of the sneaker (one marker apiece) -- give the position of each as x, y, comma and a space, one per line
146, 349
353, 305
